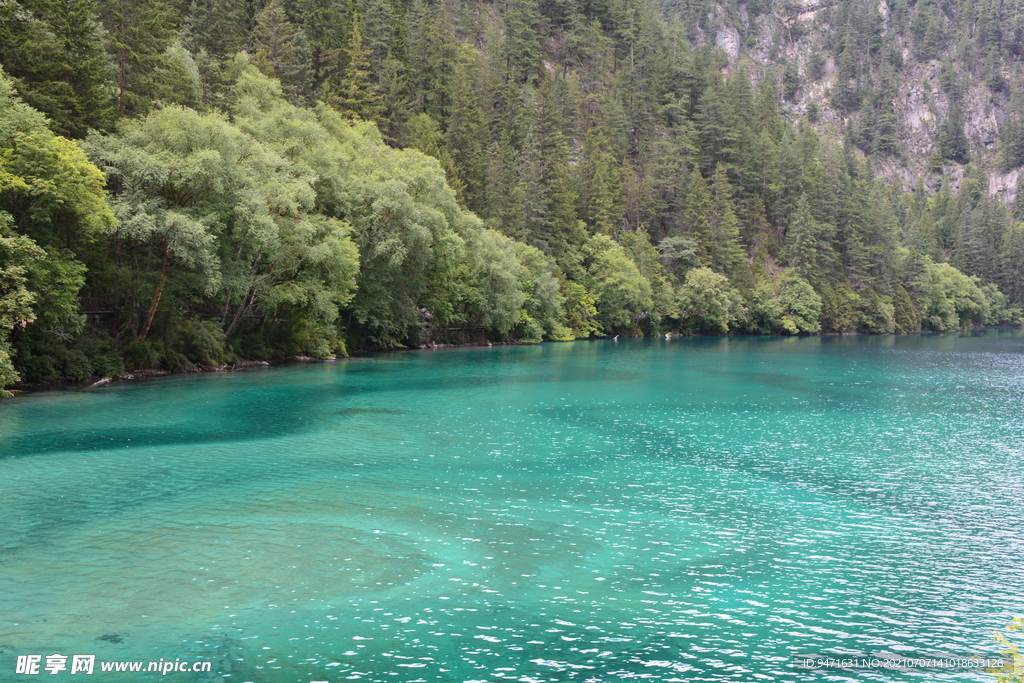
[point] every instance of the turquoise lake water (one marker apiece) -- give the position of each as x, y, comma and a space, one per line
684, 510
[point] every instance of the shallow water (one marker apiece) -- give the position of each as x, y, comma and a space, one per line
685, 510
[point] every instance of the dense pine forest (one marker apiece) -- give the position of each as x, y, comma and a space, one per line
191, 184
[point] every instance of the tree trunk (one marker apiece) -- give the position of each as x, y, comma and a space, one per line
122, 63
243, 309
246, 303
156, 295
122, 83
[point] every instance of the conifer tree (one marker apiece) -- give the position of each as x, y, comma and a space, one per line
984, 238
466, 135
54, 51
1011, 140
905, 315
766, 117
140, 32
952, 141
324, 25
383, 32
286, 51
719, 129
536, 210
803, 242
696, 208
432, 58
220, 27
1012, 280
885, 122
600, 185
790, 81
177, 80
520, 49
568, 232
722, 237
504, 205
1017, 207
932, 38
355, 93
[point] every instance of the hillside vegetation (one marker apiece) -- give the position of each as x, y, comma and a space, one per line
190, 184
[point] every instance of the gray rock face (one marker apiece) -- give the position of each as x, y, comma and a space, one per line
728, 38
772, 40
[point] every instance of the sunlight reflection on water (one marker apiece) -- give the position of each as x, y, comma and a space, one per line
690, 510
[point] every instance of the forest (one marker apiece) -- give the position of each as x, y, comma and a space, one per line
190, 184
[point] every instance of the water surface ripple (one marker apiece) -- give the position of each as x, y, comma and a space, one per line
685, 510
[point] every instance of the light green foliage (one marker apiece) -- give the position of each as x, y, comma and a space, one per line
316, 260
1014, 672
580, 310
204, 196
801, 305
422, 254
177, 168
185, 179
708, 303
955, 302
1000, 310
56, 280
784, 305
17, 255
177, 79
679, 254
51, 197
543, 303
312, 262
8, 375
649, 262
47, 184
875, 314
764, 310
623, 296
422, 133
409, 228
498, 276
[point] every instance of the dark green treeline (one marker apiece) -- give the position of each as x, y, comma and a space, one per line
193, 183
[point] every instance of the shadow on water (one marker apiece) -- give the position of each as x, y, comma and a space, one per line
235, 422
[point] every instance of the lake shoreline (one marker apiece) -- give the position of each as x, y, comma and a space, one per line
98, 381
